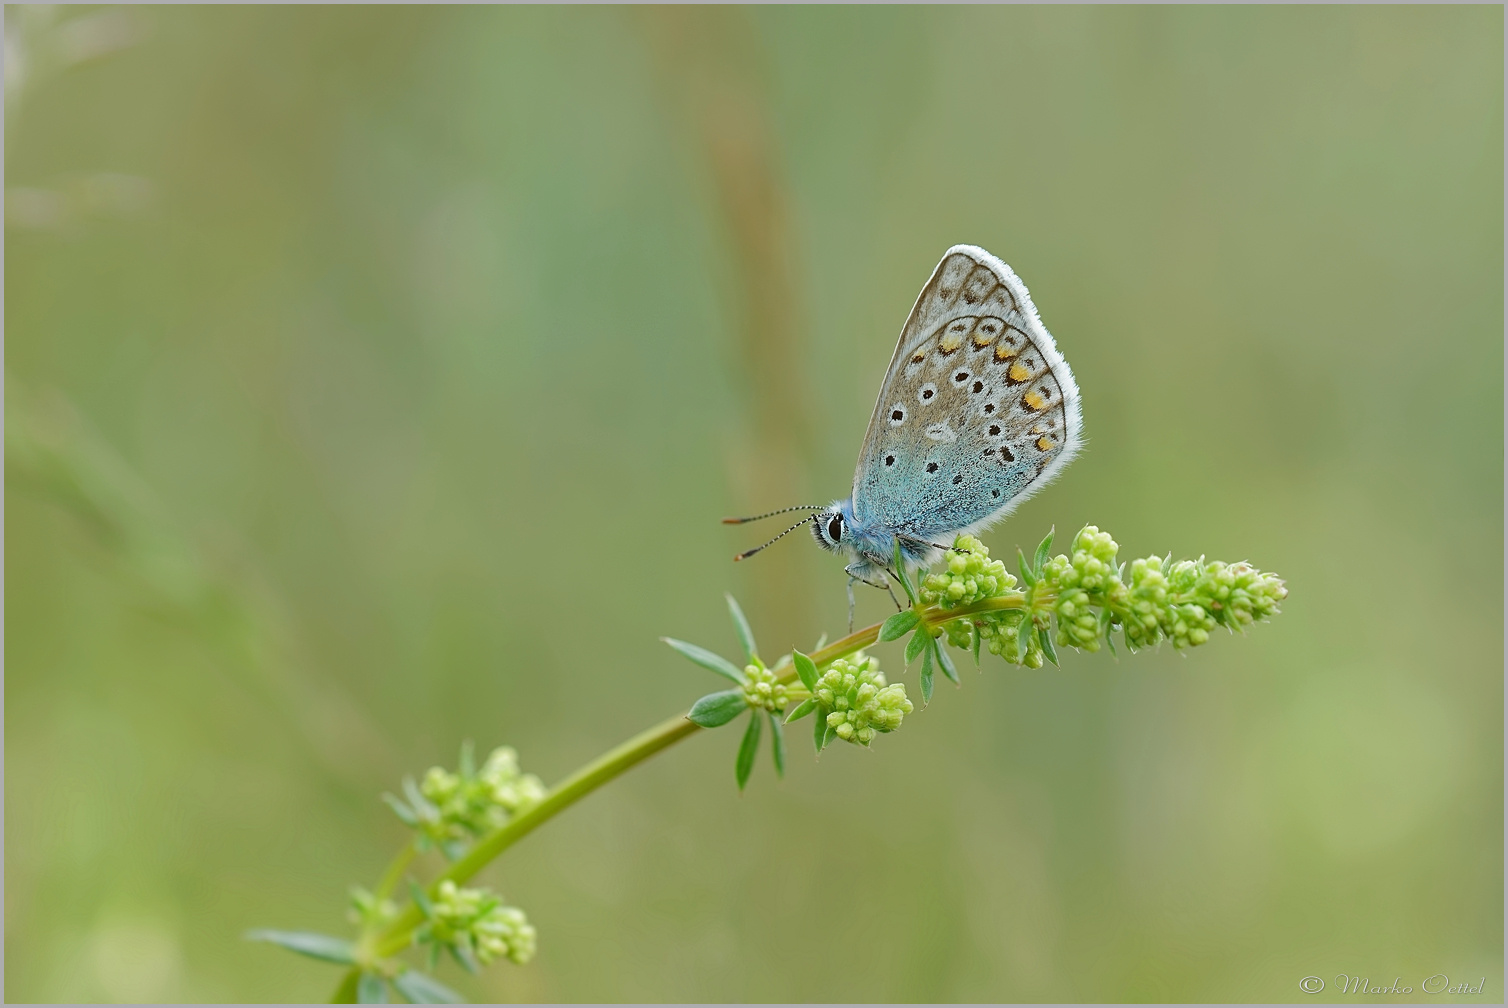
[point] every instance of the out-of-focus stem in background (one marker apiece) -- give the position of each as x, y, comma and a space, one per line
53, 453
711, 73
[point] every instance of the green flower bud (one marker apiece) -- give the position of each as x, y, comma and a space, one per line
856, 701
449, 809
369, 911
969, 576
474, 923
763, 691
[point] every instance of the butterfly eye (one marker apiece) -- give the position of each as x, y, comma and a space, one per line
835, 528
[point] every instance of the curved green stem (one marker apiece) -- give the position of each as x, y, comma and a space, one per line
395, 870
398, 934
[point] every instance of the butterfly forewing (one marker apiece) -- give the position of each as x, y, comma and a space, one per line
977, 411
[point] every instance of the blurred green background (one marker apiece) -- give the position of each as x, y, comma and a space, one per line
376, 378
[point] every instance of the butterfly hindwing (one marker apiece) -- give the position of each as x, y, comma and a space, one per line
977, 411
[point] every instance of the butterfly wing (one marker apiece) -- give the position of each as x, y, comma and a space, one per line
977, 412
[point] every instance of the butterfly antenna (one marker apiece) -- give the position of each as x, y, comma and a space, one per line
748, 553
814, 508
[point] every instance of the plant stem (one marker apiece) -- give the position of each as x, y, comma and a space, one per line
399, 933
395, 871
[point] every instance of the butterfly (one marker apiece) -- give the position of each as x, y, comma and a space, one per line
977, 412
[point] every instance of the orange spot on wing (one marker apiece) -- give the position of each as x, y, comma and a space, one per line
951, 341
1004, 352
1044, 444
1020, 372
1034, 400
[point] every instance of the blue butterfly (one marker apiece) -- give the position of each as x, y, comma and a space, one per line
977, 412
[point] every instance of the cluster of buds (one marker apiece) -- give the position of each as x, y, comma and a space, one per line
970, 575
1182, 602
762, 690
1086, 582
449, 809
369, 910
475, 926
855, 702
1088, 596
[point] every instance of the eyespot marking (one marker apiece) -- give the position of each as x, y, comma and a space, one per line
890, 460
931, 467
897, 415
977, 387
994, 493
989, 408
1005, 455
960, 377
926, 392
958, 479
994, 430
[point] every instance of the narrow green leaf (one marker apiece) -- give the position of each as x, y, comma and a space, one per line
1044, 635
896, 626
1024, 631
401, 810
918, 641
707, 660
945, 660
827, 735
1028, 577
741, 625
420, 898
315, 946
371, 989
806, 669
777, 744
926, 678
804, 708
747, 750
819, 732
1043, 549
900, 573
422, 806
717, 709
421, 988
821, 642
977, 638
463, 955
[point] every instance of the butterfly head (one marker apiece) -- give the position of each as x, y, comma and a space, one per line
833, 527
